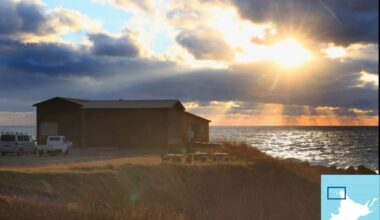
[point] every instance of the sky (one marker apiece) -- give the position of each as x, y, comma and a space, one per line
235, 62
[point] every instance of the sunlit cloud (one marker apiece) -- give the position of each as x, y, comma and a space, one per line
335, 52
360, 111
234, 113
190, 105
357, 51
369, 79
326, 109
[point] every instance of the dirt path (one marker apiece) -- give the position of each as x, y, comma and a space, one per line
75, 156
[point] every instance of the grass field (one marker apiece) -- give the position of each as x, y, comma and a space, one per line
252, 186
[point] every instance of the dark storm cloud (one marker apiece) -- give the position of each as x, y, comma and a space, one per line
334, 85
62, 59
45, 58
341, 22
31, 20
21, 17
206, 44
30, 72
106, 45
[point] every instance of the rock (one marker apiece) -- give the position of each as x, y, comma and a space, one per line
364, 170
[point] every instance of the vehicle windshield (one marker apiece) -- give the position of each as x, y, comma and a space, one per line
7, 138
54, 138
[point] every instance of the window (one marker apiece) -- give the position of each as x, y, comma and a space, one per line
54, 138
7, 137
20, 138
26, 138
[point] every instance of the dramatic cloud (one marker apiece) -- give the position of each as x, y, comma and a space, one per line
205, 43
332, 84
29, 21
24, 17
112, 46
202, 52
341, 22
48, 58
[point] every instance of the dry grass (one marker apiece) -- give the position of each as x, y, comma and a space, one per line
255, 186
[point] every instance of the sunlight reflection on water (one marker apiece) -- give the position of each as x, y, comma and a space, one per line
339, 146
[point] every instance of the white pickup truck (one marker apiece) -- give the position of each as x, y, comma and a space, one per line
54, 145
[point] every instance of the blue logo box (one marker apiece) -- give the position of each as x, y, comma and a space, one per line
333, 192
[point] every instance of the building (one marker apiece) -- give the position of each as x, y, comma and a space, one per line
120, 123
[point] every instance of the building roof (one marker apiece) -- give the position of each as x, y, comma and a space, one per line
196, 116
121, 103
132, 104
73, 100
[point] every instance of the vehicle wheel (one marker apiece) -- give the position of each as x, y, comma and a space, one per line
3, 153
40, 153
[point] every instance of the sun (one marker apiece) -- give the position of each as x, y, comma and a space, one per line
289, 53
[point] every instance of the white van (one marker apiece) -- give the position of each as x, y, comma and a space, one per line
17, 143
54, 145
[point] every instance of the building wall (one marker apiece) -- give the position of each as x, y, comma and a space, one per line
194, 129
65, 115
175, 129
129, 128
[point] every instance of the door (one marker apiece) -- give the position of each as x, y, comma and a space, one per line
29, 143
47, 129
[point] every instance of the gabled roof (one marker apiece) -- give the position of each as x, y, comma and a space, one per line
138, 104
116, 104
196, 116
73, 100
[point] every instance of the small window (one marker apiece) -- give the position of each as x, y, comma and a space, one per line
20, 138
54, 138
26, 138
8, 137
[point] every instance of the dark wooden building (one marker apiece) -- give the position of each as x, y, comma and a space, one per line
120, 123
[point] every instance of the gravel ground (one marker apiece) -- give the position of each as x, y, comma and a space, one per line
75, 155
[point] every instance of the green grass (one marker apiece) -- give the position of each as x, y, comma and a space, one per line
254, 186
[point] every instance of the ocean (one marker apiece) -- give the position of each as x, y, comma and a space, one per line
328, 146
